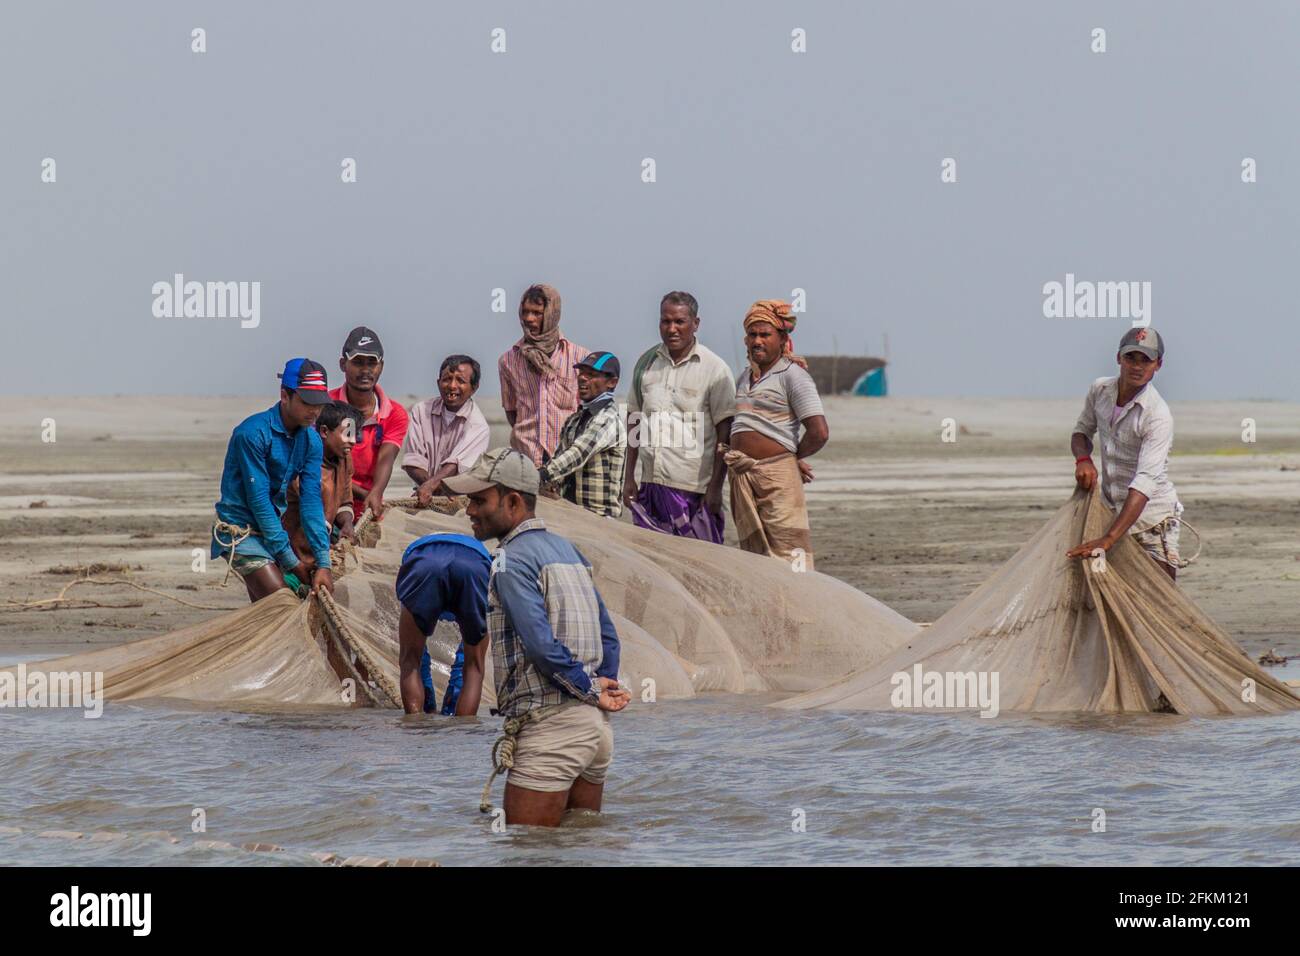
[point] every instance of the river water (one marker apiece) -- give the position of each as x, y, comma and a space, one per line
718, 779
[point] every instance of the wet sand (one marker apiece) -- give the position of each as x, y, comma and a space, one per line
915, 521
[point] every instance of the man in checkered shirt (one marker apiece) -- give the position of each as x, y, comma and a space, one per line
554, 647
587, 465
1135, 431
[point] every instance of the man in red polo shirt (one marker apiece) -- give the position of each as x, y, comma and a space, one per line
385, 420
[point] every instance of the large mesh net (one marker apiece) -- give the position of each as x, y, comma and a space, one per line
1070, 635
691, 616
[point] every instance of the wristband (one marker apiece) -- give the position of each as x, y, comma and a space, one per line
1083, 458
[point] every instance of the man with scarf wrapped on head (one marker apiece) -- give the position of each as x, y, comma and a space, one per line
766, 457
539, 384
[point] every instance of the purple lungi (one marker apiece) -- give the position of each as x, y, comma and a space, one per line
678, 512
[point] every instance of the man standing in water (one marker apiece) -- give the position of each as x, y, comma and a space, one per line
266, 452
1136, 432
554, 648
443, 576
384, 426
767, 457
680, 406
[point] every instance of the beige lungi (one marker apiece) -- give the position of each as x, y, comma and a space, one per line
768, 506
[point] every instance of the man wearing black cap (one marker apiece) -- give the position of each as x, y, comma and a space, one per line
587, 466
384, 430
266, 452
1135, 431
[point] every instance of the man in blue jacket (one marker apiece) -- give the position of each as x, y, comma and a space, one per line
266, 452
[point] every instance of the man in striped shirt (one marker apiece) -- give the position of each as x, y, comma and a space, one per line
767, 457
588, 462
539, 388
1135, 431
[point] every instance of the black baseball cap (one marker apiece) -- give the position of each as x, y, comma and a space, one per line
307, 378
606, 362
363, 341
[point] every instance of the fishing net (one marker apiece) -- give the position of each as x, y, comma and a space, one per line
692, 616
1065, 634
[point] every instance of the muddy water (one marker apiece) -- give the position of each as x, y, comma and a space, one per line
720, 779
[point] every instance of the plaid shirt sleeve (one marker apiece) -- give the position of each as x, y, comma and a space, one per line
522, 600
601, 433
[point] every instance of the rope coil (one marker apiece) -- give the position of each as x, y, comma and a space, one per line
238, 535
503, 751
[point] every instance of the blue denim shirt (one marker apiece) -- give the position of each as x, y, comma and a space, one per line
261, 459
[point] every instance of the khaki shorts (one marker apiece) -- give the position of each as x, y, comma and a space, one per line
575, 742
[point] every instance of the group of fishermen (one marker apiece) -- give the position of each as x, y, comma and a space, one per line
300, 475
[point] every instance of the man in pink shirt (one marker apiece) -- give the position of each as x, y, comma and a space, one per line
539, 387
447, 433
385, 420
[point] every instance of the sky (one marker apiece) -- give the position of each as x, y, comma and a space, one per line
774, 170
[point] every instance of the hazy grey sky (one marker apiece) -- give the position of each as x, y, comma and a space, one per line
775, 170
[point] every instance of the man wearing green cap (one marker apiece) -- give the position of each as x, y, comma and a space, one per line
1135, 431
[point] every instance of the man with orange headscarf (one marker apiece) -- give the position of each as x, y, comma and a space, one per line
766, 456
539, 387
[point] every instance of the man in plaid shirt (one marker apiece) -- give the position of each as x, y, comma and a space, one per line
587, 466
554, 648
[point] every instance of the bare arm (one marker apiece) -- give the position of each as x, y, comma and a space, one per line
416, 474
815, 434
629, 464
713, 494
384, 460
1085, 472
510, 417
410, 640
471, 690
1132, 510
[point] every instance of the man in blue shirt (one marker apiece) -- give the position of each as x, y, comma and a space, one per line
554, 648
443, 576
266, 452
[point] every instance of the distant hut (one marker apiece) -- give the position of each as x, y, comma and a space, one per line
848, 374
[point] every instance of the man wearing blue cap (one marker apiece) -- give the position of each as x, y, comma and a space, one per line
266, 452
1135, 431
587, 466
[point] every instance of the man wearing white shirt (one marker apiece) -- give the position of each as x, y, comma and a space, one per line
1135, 432
680, 406
447, 433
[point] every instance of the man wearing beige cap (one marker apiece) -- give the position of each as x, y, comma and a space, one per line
1135, 431
554, 648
